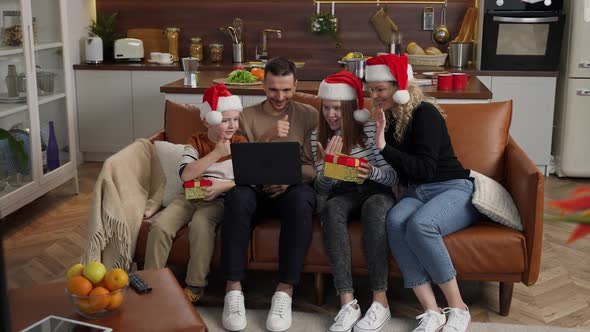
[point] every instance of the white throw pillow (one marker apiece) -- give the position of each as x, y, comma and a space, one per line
492, 200
169, 155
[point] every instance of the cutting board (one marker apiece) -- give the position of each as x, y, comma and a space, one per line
154, 40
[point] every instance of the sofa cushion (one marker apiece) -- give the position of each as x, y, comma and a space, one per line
480, 135
493, 201
169, 156
181, 121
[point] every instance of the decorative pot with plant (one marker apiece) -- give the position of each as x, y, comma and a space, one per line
14, 148
104, 27
325, 24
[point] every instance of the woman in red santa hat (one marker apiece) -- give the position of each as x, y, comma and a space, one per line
342, 104
413, 137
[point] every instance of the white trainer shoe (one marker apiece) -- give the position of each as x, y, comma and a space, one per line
279, 316
234, 311
347, 317
374, 320
430, 321
458, 320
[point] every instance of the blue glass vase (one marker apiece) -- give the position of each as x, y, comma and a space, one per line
52, 149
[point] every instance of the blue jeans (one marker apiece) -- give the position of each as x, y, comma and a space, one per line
416, 226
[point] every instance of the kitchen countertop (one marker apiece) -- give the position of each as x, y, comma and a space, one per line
475, 89
309, 72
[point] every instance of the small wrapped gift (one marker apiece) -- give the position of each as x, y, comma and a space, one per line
343, 167
194, 189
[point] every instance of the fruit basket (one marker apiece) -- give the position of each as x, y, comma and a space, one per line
427, 60
98, 305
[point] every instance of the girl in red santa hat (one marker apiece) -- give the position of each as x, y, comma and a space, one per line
413, 137
343, 127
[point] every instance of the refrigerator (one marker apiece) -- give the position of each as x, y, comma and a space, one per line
571, 134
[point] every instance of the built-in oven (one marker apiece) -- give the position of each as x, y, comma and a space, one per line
522, 34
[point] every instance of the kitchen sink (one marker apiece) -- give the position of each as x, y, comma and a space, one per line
260, 64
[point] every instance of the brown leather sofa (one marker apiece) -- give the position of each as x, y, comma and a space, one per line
485, 251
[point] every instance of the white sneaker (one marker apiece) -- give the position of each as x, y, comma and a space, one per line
430, 321
374, 320
279, 316
346, 318
234, 311
458, 320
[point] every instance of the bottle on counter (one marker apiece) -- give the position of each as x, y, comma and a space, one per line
196, 49
52, 149
172, 36
216, 53
44, 155
12, 81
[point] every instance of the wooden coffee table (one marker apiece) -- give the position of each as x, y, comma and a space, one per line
165, 308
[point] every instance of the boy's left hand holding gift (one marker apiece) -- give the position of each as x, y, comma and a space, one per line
217, 188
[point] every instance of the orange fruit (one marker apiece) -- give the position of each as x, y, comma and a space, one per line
79, 285
85, 306
116, 279
99, 298
116, 301
258, 72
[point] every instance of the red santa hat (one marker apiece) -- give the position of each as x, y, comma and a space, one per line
391, 67
218, 99
345, 86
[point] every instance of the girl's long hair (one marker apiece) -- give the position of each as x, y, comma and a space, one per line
402, 115
353, 133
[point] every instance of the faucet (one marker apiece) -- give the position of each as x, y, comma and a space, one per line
264, 54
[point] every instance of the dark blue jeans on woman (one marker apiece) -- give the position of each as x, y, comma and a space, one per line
416, 226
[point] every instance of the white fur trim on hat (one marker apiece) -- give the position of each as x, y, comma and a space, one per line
401, 97
378, 73
229, 103
214, 118
336, 91
361, 115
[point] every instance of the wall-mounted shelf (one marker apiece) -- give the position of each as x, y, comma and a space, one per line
378, 2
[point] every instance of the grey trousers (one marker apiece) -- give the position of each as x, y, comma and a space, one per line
372, 201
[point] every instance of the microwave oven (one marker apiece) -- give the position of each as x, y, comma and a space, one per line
522, 35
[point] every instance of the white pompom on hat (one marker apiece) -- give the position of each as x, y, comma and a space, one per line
391, 67
218, 99
345, 86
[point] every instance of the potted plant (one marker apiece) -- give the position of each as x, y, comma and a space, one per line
17, 148
104, 27
325, 24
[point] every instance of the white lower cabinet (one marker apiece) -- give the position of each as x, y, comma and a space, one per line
115, 107
532, 113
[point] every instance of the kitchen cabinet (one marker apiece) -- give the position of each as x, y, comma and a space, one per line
105, 112
40, 55
127, 104
532, 112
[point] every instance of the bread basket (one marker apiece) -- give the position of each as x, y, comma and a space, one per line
427, 60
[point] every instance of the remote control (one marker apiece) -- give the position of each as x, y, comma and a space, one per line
140, 286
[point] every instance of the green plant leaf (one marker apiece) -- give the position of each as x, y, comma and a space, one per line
325, 24
17, 147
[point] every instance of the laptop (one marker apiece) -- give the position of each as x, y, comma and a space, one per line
266, 163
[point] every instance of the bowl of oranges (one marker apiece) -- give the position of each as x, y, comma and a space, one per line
95, 292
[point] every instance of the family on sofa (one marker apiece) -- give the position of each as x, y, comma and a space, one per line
407, 144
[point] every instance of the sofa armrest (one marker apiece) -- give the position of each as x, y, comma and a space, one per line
159, 136
525, 184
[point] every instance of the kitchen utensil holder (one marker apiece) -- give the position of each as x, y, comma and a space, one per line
238, 52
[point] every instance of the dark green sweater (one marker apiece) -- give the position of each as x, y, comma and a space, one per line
425, 154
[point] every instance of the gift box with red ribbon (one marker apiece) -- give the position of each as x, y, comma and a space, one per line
193, 189
342, 167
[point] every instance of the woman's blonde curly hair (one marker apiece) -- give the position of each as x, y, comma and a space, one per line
402, 115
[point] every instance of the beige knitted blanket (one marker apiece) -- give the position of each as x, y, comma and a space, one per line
129, 187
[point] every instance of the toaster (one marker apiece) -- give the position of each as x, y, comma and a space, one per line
128, 49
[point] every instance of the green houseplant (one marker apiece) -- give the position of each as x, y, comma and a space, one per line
104, 27
17, 147
325, 24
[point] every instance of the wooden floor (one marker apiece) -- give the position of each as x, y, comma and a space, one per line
48, 235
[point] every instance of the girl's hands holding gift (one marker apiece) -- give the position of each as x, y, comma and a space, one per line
364, 171
380, 130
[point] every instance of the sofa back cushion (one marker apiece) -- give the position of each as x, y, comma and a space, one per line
181, 121
480, 134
